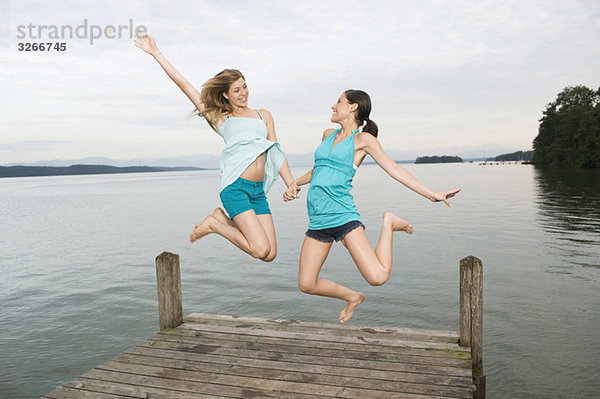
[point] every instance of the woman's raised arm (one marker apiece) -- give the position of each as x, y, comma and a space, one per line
147, 43
371, 145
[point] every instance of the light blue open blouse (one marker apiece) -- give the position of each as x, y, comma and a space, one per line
245, 140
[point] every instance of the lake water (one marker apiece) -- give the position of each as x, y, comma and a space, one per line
77, 276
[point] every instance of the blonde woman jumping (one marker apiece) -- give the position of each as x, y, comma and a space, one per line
250, 161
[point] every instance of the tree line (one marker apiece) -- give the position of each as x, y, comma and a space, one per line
517, 156
569, 132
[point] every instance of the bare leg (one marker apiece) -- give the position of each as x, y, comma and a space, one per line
266, 221
246, 231
312, 257
222, 216
375, 266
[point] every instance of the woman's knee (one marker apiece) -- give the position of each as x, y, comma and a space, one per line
270, 256
377, 279
307, 286
260, 249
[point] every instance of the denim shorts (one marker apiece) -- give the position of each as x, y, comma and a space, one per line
334, 233
243, 195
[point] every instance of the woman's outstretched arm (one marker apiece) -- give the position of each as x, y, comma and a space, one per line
371, 145
147, 43
305, 178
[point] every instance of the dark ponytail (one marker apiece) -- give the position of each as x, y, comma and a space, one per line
370, 127
363, 101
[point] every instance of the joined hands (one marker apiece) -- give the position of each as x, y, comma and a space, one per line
291, 193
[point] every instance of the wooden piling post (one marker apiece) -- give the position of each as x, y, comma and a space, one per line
168, 281
471, 318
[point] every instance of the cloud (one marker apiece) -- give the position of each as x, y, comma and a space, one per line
437, 71
33, 145
4, 23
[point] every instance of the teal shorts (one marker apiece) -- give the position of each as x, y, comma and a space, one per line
243, 195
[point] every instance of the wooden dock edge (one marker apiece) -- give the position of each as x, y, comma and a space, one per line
471, 307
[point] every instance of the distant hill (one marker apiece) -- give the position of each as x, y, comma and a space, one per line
515, 156
23, 171
208, 161
197, 161
438, 159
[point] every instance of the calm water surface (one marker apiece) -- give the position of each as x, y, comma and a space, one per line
77, 277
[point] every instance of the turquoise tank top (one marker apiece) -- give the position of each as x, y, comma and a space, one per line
329, 201
245, 140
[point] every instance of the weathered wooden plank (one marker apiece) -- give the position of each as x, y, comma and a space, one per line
205, 387
253, 330
133, 391
200, 344
327, 328
360, 334
374, 351
221, 379
359, 371
399, 365
321, 325
291, 381
71, 393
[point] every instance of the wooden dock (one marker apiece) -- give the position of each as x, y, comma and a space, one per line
208, 356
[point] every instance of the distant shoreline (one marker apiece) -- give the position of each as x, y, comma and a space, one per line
31, 171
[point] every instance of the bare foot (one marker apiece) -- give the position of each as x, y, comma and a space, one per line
222, 217
203, 228
348, 311
397, 223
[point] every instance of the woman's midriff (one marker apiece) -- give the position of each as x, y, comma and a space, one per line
256, 170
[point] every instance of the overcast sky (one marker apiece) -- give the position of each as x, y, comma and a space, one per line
443, 75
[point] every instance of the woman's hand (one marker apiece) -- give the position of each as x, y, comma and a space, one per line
146, 43
443, 196
291, 192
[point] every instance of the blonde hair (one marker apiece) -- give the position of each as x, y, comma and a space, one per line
215, 104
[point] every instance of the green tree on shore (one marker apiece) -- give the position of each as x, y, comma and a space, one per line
438, 159
569, 132
514, 156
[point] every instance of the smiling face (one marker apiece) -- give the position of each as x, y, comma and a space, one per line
342, 109
238, 93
